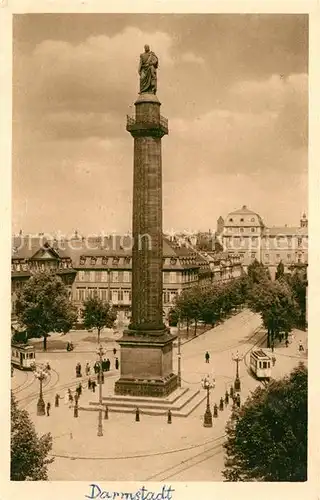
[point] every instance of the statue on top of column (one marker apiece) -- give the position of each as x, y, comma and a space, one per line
148, 71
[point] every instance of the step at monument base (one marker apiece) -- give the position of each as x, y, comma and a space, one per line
181, 402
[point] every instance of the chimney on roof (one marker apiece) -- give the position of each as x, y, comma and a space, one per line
304, 221
20, 232
244, 207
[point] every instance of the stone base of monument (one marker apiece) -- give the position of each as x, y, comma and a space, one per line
182, 402
146, 364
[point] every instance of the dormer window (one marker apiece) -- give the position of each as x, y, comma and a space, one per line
253, 219
173, 261
242, 219
82, 261
230, 220
115, 261
104, 261
93, 261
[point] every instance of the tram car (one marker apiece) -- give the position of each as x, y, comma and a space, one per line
260, 364
23, 356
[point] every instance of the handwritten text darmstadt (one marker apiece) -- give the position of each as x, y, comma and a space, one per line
96, 492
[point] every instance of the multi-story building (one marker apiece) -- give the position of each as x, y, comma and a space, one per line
246, 235
102, 266
35, 254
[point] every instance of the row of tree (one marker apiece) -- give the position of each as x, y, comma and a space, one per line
209, 304
280, 302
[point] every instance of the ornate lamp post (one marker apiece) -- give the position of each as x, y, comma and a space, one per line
237, 384
208, 384
100, 352
41, 374
179, 356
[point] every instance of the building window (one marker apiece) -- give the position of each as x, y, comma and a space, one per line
120, 295
126, 296
92, 292
253, 255
289, 257
166, 277
278, 257
92, 276
299, 258
289, 241
253, 229
255, 242
103, 293
299, 242
98, 275
253, 219
82, 261
115, 296
87, 276
241, 229
120, 276
104, 261
230, 220
166, 297
278, 242
126, 277
173, 277
93, 261
115, 277
81, 292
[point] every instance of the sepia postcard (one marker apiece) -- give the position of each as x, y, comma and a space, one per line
160, 201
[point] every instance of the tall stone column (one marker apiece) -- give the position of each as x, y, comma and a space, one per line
146, 347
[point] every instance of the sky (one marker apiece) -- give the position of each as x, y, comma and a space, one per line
233, 87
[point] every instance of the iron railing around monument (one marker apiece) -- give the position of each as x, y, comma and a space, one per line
132, 121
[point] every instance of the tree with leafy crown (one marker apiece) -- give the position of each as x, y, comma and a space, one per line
29, 452
98, 314
267, 437
43, 305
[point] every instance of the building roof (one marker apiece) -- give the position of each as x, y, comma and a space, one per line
244, 210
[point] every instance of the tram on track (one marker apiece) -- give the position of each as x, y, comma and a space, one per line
23, 356
260, 364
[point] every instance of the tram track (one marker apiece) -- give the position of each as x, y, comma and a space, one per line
174, 470
24, 385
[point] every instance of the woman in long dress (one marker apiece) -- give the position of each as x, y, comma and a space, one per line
66, 398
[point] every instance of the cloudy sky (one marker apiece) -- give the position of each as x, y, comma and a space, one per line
234, 88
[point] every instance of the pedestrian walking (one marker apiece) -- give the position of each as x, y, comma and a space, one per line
56, 400
169, 417
137, 415
66, 398
287, 342
300, 346
238, 401
93, 386
231, 392
108, 363
272, 347
87, 369
114, 351
273, 360
221, 404
215, 410
117, 363
207, 357
106, 413
76, 409
70, 400
48, 409
104, 365
89, 383
226, 398
80, 389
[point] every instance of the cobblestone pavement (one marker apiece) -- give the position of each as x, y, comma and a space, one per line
150, 449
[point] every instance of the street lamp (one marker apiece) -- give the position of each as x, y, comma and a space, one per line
179, 356
41, 374
208, 384
237, 384
100, 352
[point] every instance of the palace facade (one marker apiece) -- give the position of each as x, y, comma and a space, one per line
245, 234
